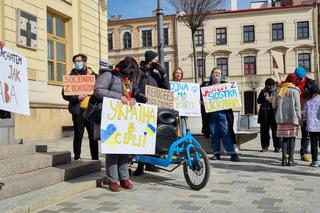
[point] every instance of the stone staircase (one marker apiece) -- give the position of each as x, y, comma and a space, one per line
24, 170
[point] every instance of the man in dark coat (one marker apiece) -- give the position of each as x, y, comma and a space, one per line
266, 117
151, 73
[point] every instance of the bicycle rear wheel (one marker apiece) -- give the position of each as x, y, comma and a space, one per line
197, 175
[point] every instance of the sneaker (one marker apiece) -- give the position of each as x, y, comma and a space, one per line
114, 187
235, 158
305, 157
314, 164
126, 184
215, 157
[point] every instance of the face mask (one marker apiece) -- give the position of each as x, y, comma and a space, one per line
78, 65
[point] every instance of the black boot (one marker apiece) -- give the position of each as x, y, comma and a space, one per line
215, 157
152, 168
284, 152
235, 158
140, 170
291, 152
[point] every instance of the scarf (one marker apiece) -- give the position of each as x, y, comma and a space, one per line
301, 86
284, 88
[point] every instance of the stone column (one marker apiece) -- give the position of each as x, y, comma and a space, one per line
7, 132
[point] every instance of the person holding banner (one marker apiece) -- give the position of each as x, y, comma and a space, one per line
151, 73
288, 117
77, 106
177, 76
117, 84
219, 124
266, 116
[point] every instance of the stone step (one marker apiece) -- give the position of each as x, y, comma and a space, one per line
42, 198
28, 163
30, 181
16, 150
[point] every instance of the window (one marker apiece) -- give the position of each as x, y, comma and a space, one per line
110, 41
127, 40
198, 37
250, 65
57, 42
222, 63
166, 36
166, 66
248, 33
277, 32
146, 38
221, 35
201, 67
304, 60
303, 29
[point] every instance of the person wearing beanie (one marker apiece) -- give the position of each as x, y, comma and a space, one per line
305, 85
153, 74
288, 117
312, 114
266, 117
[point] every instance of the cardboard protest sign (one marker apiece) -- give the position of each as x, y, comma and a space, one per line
159, 97
186, 98
126, 129
221, 96
14, 90
78, 84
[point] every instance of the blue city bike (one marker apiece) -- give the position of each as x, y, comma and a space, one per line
184, 151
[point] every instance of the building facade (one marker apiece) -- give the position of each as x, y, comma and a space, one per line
132, 37
54, 32
240, 43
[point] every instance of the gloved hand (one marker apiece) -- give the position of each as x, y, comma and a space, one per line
160, 69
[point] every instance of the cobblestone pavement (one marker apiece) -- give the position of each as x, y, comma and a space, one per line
256, 184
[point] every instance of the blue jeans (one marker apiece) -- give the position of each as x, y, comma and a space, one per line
183, 126
219, 129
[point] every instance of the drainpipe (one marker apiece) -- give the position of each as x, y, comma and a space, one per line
176, 41
316, 40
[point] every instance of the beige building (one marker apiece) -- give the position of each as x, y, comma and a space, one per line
240, 43
49, 34
132, 37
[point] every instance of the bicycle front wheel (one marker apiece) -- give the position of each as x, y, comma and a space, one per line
197, 174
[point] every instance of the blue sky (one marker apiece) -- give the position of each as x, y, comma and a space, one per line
143, 8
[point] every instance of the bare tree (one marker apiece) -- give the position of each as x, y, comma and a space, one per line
253, 82
193, 13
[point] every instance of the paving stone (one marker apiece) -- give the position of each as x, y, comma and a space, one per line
92, 197
269, 207
48, 211
70, 209
190, 208
303, 189
239, 182
266, 179
199, 196
67, 204
107, 209
222, 202
244, 175
182, 202
226, 183
108, 203
271, 211
154, 188
220, 191
266, 199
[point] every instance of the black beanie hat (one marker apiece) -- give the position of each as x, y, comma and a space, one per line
269, 82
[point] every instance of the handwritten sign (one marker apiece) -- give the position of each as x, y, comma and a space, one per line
159, 97
126, 129
78, 84
13, 82
186, 98
221, 96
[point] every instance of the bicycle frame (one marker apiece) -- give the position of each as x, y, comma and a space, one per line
176, 147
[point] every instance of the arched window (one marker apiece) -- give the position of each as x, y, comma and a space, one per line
127, 40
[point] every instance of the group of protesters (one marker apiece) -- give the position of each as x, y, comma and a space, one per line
286, 107
126, 81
